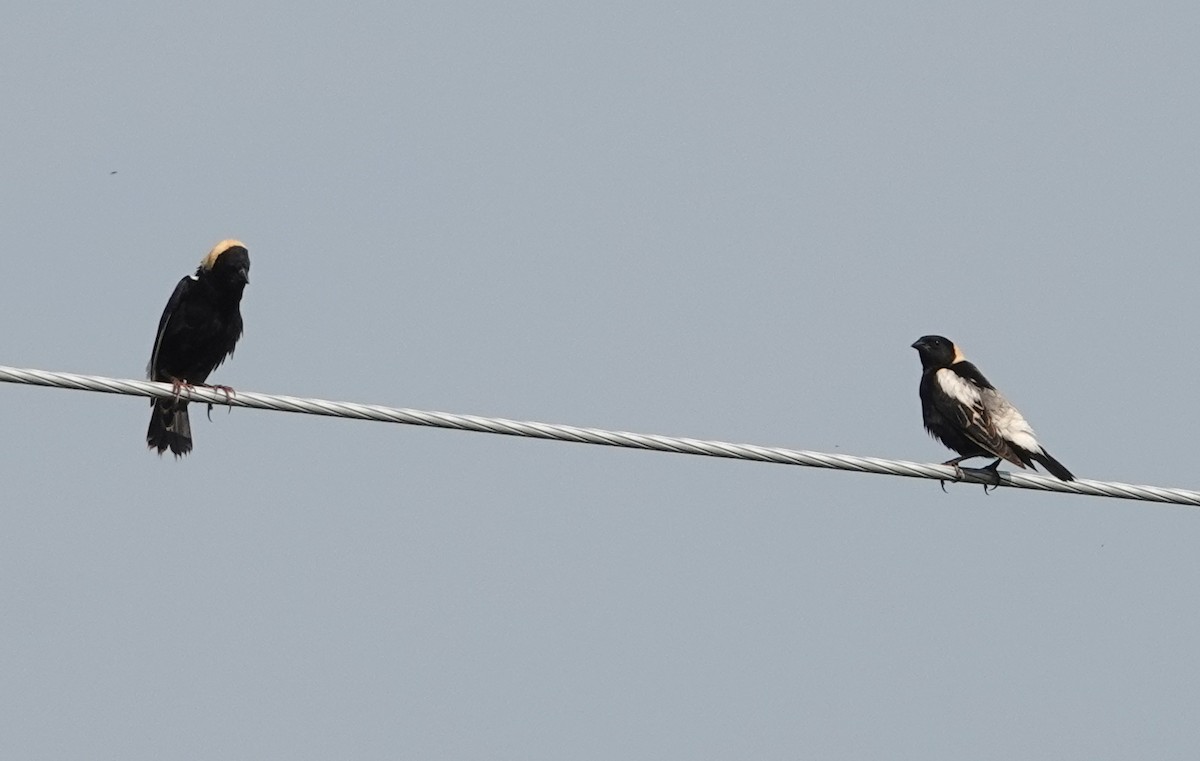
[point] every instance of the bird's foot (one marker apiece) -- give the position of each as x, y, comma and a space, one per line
179, 387
226, 390
229, 394
994, 469
958, 472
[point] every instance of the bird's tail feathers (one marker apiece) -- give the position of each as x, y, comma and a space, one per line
170, 428
1053, 466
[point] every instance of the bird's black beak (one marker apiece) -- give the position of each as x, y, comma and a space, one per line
918, 345
244, 274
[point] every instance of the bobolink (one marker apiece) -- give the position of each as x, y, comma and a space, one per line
966, 412
198, 329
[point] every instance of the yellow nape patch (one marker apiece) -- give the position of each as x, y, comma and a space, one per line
211, 257
958, 355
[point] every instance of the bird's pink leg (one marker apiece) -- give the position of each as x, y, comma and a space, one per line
178, 386
228, 391
229, 394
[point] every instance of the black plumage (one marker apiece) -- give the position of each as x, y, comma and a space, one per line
966, 413
199, 328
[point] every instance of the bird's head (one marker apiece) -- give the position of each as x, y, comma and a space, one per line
228, 264
937, 352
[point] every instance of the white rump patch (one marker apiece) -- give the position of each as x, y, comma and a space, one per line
1000, 415
1009, 422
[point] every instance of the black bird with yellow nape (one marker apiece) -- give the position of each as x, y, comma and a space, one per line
964, 411
199, 328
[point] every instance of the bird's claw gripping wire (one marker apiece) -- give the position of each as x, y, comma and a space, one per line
178, 387
958, 473
994, 469
993, 472
229, 394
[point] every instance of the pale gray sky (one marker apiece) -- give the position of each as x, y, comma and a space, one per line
721, 220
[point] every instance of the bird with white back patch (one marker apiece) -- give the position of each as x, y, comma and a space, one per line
964, 411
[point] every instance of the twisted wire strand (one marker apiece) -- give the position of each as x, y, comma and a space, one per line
626, 439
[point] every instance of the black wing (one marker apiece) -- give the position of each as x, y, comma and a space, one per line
173, 303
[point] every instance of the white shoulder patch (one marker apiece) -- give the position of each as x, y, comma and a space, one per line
958, 388
1009, 422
